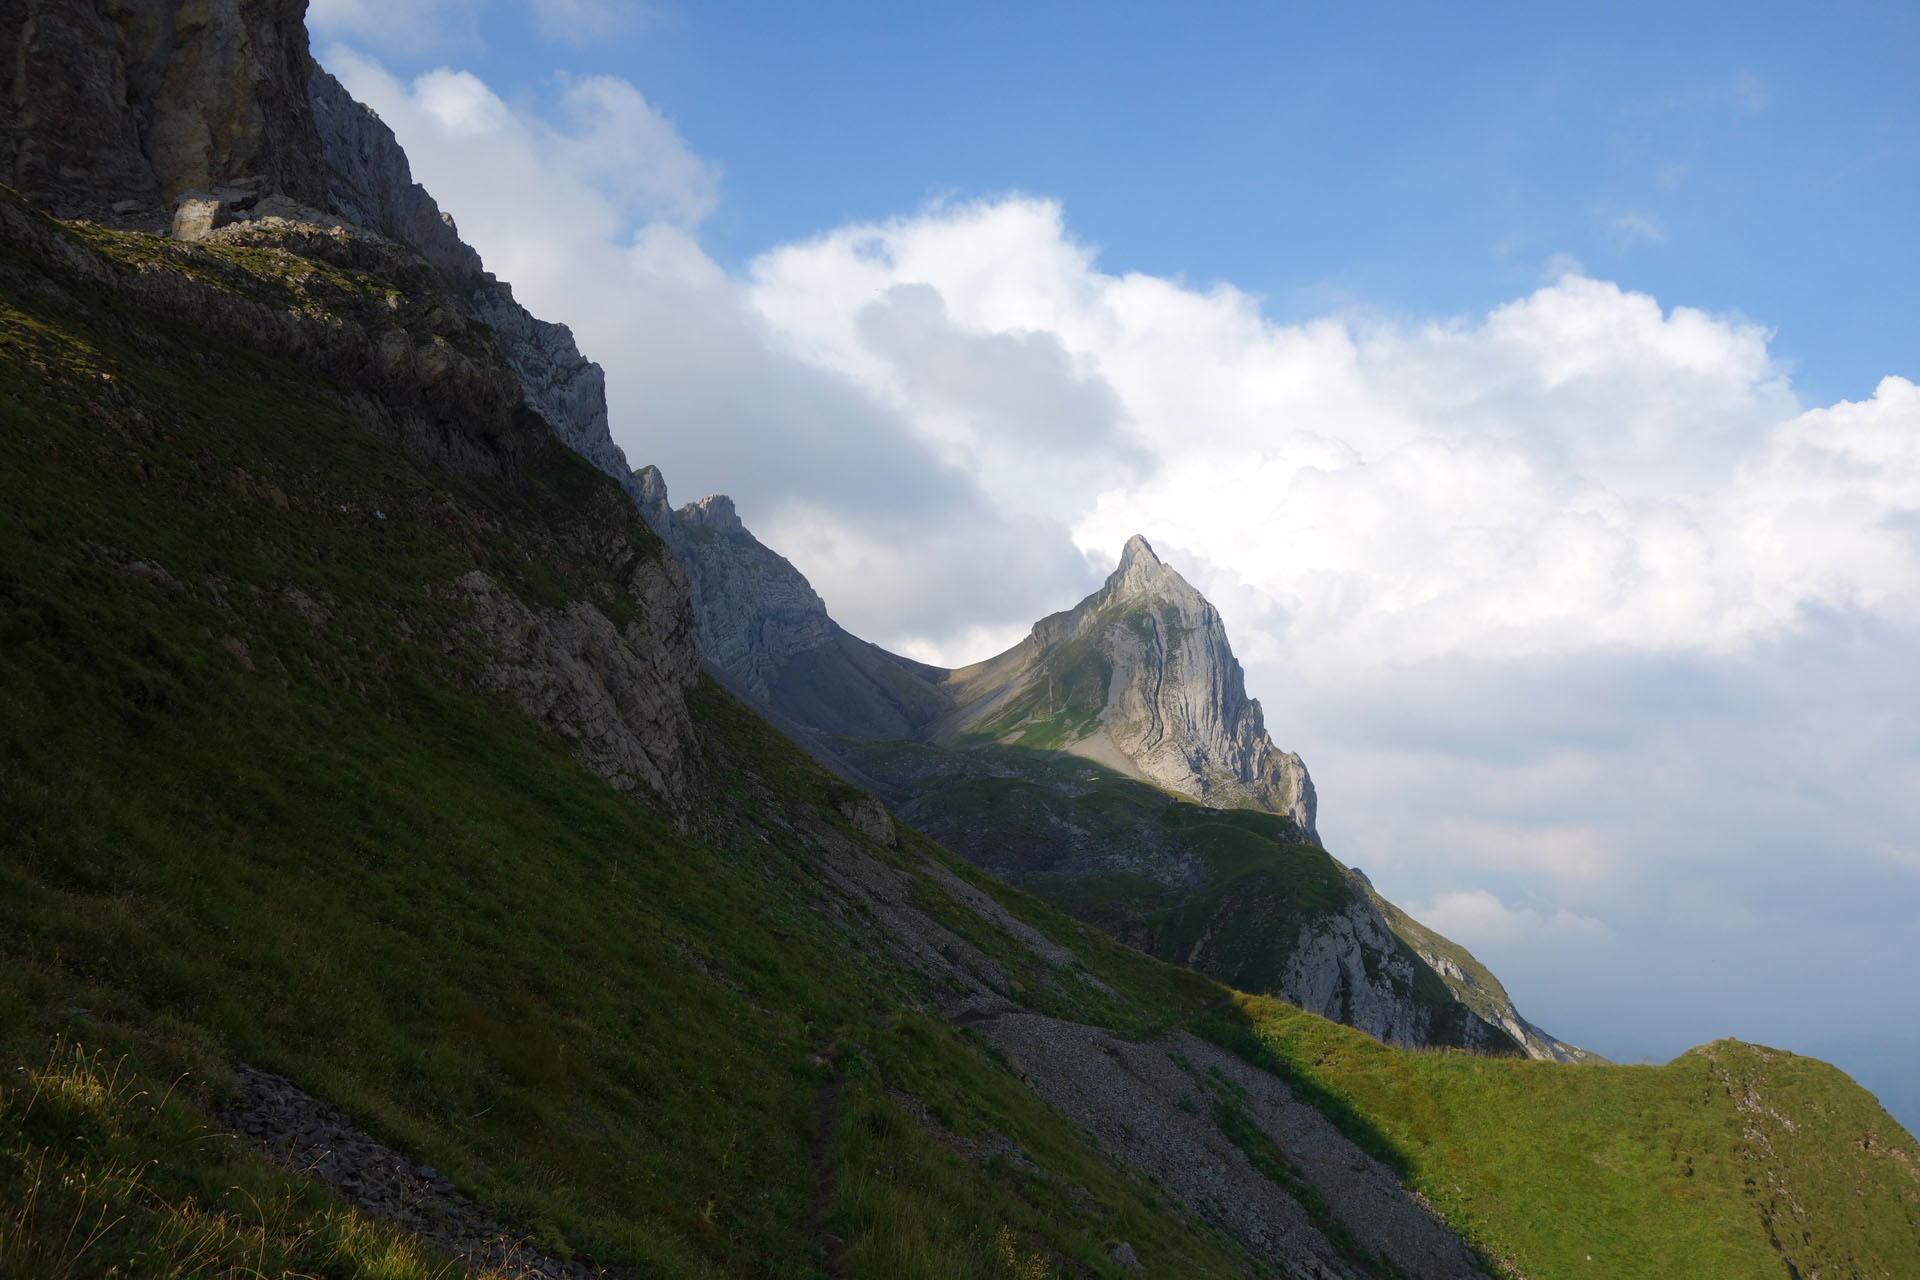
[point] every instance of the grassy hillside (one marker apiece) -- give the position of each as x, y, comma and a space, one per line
1720, 1163
257, 805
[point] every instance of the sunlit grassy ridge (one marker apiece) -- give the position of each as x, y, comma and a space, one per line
1647, 1171
255, 806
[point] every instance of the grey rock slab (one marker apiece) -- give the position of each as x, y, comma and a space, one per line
615, 695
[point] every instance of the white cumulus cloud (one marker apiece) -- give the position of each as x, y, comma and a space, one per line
400, 26
1476, 917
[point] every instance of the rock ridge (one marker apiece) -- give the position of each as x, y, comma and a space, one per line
766, 633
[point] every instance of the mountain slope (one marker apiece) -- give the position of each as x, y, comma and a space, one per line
1470, 982
274, 789
1234, 894
352, 730
1138, 680
273, 792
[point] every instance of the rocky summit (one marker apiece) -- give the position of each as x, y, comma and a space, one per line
1139, 677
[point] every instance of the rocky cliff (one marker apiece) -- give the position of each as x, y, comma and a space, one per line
1471, 982
370, 183
1138, 676
764, 630
122, 108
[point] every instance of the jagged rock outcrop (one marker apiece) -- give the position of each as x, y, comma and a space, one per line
764, 630
612, 694
1347, 965
1138, 676
1471, 982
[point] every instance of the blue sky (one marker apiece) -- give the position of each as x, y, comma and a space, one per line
1534, 396
1759, 158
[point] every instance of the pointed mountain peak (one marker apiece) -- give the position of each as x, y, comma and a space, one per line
652, 485
1138, 549
1139, 568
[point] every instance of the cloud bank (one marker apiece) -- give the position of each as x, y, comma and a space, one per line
1596, 638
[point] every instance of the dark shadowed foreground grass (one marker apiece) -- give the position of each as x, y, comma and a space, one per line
99, 1176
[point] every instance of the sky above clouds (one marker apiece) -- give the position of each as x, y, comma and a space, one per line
1535, 401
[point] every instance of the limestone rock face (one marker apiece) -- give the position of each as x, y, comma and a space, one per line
1471, 982
370, 183
1349, 966
137, 104
763, 628
756, 611
209, 119
613, 695
1138, 676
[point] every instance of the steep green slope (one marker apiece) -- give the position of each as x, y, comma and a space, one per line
260, 802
